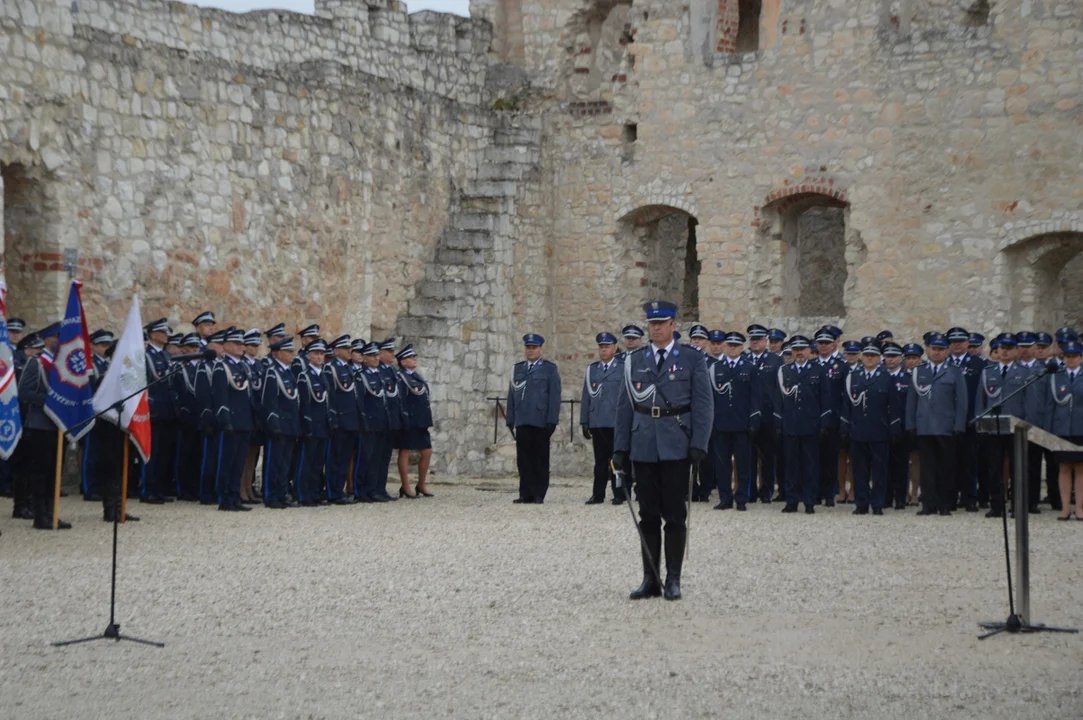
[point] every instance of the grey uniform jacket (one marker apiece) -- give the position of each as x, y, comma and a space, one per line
993, 387
601, 388
33, 389
936, 404
683, 381
1064, 416
1036, 398
534, 395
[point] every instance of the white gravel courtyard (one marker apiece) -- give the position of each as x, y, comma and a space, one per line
467, 606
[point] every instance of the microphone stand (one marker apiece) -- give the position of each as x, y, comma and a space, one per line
1014, 623
112, 630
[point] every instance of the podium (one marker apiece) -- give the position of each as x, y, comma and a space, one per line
1022, 433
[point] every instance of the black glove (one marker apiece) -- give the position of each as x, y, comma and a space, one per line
586, 432
551, 428
696, 456
620, 461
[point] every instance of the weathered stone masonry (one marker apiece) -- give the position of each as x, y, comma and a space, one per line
545, 166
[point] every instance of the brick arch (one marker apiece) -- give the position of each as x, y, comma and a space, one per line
629, 209
825, 186
1012, 234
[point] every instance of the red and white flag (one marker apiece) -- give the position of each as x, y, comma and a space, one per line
126, 375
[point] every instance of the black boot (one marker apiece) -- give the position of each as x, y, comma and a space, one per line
675, 540
43, 516
649, 588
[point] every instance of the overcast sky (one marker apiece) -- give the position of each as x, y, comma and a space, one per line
459, 7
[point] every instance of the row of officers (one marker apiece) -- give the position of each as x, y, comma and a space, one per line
326, 416
791, 411
827, 421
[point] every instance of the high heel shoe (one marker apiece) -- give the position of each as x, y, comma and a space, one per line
1064, 517
404, 494
422, 493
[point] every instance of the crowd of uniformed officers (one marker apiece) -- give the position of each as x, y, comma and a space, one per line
815, 419
327, 418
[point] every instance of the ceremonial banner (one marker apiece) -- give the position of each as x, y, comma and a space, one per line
70, 402
126, 376
11, 425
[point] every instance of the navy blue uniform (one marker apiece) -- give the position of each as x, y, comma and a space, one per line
345, 424
602, 385
393, 399
801, 395
765, 458
899, 443
835, 370
236, 420
738, 393
91, 465
966, 446
533, 410
867, 421
936, 409
163, 427
416, 411
368, 475
281, 408
315, 433
195, 423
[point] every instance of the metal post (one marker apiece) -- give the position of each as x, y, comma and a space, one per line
1022, 542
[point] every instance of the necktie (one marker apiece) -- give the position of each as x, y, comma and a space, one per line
1071, 378
661, 358
1003, 371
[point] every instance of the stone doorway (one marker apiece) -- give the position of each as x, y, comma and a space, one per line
1045, 273
26, 233
665, 256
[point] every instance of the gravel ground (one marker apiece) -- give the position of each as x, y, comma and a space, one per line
466, 606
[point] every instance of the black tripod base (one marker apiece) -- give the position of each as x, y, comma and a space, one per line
1014, 625
112, 632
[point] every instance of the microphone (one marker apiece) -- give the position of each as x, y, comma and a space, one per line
201, 355
1051, 366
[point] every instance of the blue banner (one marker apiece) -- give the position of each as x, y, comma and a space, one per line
11, 424
70, 402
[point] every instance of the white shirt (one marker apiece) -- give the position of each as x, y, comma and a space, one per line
668, 350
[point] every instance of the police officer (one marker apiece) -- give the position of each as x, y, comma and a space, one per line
738, 392
970, 368
205, 326
703, 480
775, 338
533, 413
664, 419
632, 335
281, 406
39, 432
194, 425
1037, 403
766, 451
18, 359
866, 424
996, 384
371, 391
97, 440
209, 419
802, 410
315, 425
1064, 418
344, 419
899, 444
393, 400
231, 384
307, 336
602, 384
163, 416
253, 339
417, 419
835, 370
936, 411
974, 346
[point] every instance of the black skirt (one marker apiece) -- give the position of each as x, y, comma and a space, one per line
1069, 457
413, 439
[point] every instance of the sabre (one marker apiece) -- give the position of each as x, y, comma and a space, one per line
619, 482
688, 515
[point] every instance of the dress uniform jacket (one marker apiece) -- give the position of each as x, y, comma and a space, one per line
738, 395
534, 395
33, 389
767, 365
835, 370
936, 404
342, 397
232, 386
994, 385
802, 402
867, 407
1064, 416
900, 388
315, 413
642, 430
416, 407
971, 367
280, 402
316, 429
1037, 397
371, 401
393, 398
160, 396
601, 387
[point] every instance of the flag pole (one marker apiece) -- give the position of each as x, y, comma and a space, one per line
124, 482
56, 484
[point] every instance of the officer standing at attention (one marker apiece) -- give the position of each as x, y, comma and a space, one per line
163, 416
899, 449
194, 427
236, 420
39, 432
996, 382
703, 480
1036, 399
282, 417
256, 369
835, 370
866, 423
98, 440
765, 451
205, 326
775, 338
307, 336
374, 436
738, 390
936, 410
315, 429
966, 453
664, 419
602, 384
800, 402
533, 414
633, 338
343, 403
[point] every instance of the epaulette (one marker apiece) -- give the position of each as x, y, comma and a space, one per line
521, 362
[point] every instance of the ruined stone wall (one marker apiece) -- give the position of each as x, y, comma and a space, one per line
271, 167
